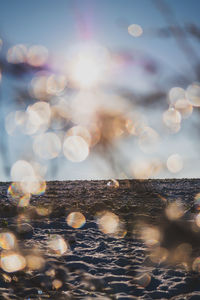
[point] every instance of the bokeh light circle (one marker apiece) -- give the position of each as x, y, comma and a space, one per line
47, 145
135, 30
7, 240
174, 163
21, 169
57, 244
12, 262
75, 148
76, 220
193, 94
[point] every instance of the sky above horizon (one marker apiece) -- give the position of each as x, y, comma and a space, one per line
61, 25
57, 25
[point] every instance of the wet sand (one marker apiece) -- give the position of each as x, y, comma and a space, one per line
97, 265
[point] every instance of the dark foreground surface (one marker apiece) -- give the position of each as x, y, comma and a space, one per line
98, 265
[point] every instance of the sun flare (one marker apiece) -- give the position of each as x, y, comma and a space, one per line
86, 71
88, 66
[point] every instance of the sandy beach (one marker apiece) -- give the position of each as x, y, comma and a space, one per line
96, 264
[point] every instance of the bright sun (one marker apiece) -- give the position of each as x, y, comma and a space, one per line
88, 66
86, 71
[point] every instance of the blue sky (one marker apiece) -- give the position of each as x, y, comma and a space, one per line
57, 24
60, 24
